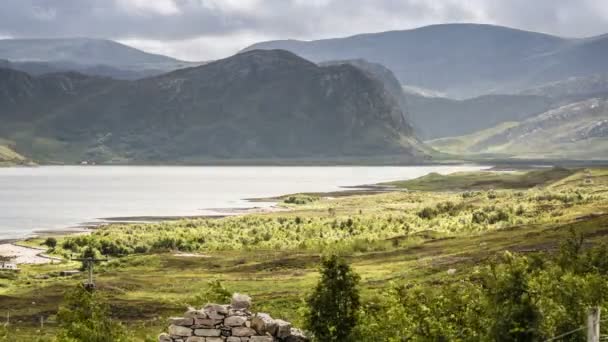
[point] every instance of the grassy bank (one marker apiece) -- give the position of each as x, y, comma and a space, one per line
415, 236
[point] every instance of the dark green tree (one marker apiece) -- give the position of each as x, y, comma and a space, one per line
334, 305
84, 317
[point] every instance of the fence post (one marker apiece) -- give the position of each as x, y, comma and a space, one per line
593, 325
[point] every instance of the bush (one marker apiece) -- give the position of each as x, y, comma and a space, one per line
333, 306
50, 242
427, 213
84, 316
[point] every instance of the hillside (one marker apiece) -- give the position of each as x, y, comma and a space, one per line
381, 74
437, 117
8, 156
254, 105
577, 130
463, 60
572, 87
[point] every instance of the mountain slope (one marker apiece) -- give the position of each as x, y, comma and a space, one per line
381, 74
259, 104
437, 117
577, 130
463, 60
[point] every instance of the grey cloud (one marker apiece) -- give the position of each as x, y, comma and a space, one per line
174, 23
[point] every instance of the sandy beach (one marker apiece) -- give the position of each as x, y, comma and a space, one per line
25, 255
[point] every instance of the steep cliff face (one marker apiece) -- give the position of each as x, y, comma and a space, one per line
259, 104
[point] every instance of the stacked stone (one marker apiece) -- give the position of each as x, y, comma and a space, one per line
230, 323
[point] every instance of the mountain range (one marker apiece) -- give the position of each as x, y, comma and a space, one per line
254, 105
466, 89
463, 60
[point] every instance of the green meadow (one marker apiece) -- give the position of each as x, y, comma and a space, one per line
432, 230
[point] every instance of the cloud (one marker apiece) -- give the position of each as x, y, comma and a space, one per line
209, 29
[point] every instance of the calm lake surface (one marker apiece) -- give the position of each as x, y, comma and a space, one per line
59, 197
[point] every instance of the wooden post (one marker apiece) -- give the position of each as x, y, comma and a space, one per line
593, 325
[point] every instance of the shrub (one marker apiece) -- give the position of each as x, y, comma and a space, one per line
333, 306
84, 316
50, 242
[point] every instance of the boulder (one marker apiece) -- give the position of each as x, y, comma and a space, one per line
214, 339
263, 323
233, 339
240, 301
176, 330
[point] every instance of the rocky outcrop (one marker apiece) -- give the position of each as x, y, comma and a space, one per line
229, 323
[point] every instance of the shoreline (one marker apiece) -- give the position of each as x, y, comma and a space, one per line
8, 246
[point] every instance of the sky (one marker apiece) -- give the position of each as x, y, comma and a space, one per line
200, 30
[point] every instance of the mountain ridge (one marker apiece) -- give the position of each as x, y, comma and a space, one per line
463, 60
260, 104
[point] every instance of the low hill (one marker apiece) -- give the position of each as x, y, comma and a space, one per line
577, 130
259, 104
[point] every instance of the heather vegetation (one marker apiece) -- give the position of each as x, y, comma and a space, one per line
520, 257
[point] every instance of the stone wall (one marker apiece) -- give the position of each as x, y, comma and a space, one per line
230, 323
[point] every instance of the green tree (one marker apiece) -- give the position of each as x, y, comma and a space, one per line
84, 317
334, 305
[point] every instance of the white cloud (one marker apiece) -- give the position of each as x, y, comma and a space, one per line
203, 48
162, 7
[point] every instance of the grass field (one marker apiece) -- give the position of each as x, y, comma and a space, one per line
440, 223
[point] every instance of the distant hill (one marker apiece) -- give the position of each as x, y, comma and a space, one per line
572, 87
577, 130
437, 117
254, 105
98, 57
463, 60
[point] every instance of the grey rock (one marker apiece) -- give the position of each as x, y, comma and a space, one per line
164, 337
214, 339
296, 335
235, 321
243, 331
240, 301
207, 332
195, 339
179, 331
261, 339
206, 323
283, 328
182, 321
233, 339
263, 323
215, 311
193, 313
